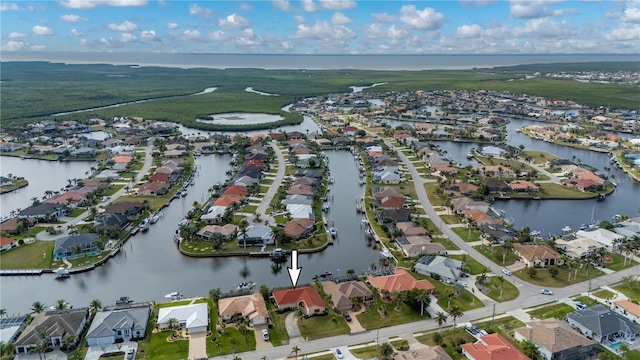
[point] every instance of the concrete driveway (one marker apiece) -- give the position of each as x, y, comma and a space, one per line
354, 324
291, 322
198, 345
260, 343
95, 351
54, 355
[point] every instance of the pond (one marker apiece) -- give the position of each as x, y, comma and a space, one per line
240, 118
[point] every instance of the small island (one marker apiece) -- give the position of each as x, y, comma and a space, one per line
11, 183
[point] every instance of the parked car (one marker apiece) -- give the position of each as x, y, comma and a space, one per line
130, 353
580, 306
339, 354
463, 283
506, 272
546, 292
265, 335
346, 316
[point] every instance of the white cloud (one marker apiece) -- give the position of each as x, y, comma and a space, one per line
17, 35
125, 26
90, 4
172, 25
127, 37
218, 36
234, 21
14, 46
248, 38
246, 7
527, 9
73, 18
338, 4
544, 28
468, 31
283, 5
340, 19
426, 19
631, 15
195, 9
383, 17
309, 6
77, 33
148, 34
322, 30
42, 30
625, 33
299, 19
9, 7
191, 34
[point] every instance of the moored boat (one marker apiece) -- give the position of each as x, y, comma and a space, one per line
333, 231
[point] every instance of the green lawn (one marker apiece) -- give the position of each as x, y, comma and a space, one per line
559, 191
604, 294
250, 209
557, 311
539, 157
76, 212
367, 352
509, 291
450, 219
317, 327
231, 340
474, 266
431, 193
586, 300
374, 317
266, 182
113, 189
544, 278
82, 261
466, 235
496, 255
448, 244
617, 262
630, 290
465, 300
451, 338
36, 255
278, 332
160, 349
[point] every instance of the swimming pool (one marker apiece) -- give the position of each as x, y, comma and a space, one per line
616, 346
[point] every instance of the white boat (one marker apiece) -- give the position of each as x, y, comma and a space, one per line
144, 225
333, 231
326, 206
469, 155
535, 233
174, 295
332, 180
62, 272
245, 286
616, 217
154, 219
566, 229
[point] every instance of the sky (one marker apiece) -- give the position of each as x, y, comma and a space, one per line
322, 26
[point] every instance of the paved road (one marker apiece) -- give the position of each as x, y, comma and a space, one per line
148, 161
273, 189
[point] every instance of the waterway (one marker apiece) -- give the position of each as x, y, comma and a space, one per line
42, 176
150, 266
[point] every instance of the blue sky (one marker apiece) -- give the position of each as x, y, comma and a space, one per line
322, 26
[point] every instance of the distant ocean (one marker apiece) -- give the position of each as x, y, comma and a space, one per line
311, 62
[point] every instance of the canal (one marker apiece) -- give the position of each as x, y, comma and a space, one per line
150, 266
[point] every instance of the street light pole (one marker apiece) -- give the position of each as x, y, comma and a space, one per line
377, 334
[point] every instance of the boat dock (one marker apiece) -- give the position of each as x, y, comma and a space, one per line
21, 272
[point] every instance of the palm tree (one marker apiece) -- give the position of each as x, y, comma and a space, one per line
398, 297
423, 298
571, 263
385, 351
455, 313
506, 247
61, 304
450, 294
242, 231
501, 280
37, 307
295, 350
172, 323
95, 304
3, 312
300, 313
441, 318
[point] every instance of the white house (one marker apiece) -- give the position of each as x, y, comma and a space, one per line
627, 309
607, 238
492, 151
193, 317
110, 326
300, 211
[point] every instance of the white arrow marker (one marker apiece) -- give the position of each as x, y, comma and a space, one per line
294, 270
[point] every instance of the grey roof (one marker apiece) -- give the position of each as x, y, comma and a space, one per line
297, 199
603, 321
55, 323
443, 266
258, 232
106, 323
41, 209
76, 239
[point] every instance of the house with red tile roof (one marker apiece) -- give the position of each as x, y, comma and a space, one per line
492, 347
300, 190
7, 243
236, 190
122, 159
537, 255
582, 185
627, 309
153, 188
400, 281
159, 177
391, 202
523, 186
227, 200
69, 197
305, 296
481, 218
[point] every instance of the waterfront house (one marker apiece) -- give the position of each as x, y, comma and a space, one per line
214, 214
492, 151
14, 225
107, 175
75, 245
627, 309
56, 325
256, 235
245, 181
342, 294
109, 327
603, 325
300, 211
11, 327
397, 215
212, 232
492, 347
7, 243
413, 246
386, 177
462, 188
410, 229
390, 202
42, 211
301, 190
236, 190
523, 186
306, 297
401, 280
307, 161
111, 220
463, 204
537, 255
445, 269
480, 218
497, 185
557, 340
297, 199
5, 181
606, 238
130, 209
299, 228
192, 317
251, 307
228, 200
153, 188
